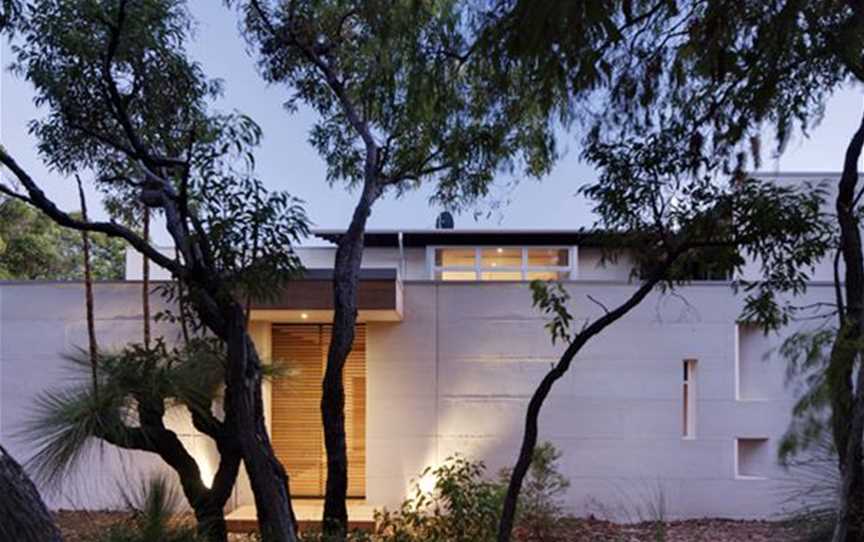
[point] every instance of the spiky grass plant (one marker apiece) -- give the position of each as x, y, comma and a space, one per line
137, 388
135, 391
814, 483
153, 516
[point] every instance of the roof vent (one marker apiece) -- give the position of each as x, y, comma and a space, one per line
444, 221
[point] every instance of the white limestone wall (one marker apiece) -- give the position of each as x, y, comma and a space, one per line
823, 271
321, 257
135, 265
313, 257
42, 322
455, 377
593, 265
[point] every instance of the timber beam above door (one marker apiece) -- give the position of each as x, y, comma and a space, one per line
309, 298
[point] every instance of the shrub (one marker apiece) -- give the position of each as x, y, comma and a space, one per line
461, 507
318, 536
464, 506
540, 511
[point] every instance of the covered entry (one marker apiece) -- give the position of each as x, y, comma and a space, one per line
297, 433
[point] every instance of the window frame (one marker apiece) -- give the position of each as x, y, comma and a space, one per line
689, 388
566, 272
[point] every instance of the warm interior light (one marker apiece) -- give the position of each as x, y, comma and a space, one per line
494, 264
426, 484
500, 250
303, 315
206, 470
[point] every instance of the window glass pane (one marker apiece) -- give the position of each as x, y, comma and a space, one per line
501, 257
544, 275
455, 275
452, 257
689, 399
501, 275
686, 418
548, 257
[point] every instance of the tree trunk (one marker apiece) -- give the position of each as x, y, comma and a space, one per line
88, 295
23, 515
211, 514
346, 279
243, 399
209, 511
145, 280
848, 408
529, 438
211, 523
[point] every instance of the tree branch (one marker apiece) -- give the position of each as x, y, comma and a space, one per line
38, 199
207, 424
13, 194
121, 113
336, 85
598, 303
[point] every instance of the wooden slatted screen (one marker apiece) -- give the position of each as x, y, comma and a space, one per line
298, 438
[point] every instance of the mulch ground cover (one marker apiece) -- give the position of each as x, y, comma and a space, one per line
82, 526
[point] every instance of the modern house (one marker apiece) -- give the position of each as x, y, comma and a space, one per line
679, 401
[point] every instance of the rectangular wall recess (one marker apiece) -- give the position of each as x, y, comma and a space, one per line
688, 429
753, 458
753, 377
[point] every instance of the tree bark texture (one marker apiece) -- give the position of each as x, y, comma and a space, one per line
222, 315
145, 280
23, 515
530, 435
346, 280
93, 349
243, 397
226, 317
847, 401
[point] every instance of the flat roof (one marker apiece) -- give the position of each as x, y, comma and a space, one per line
366, 274
424, 238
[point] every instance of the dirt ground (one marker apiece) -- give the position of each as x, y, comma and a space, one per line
81, 526
703, 530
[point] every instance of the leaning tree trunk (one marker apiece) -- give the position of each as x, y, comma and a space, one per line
244, 400
243, 379
849, 429
23, 515
532, 416
346, 280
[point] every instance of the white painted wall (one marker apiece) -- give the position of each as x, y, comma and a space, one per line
373, 258
135, 265
40, 323
823, 271
455, 376
593, 265
313, 257
617, 415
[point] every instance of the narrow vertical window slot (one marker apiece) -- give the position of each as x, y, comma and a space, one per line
689, 399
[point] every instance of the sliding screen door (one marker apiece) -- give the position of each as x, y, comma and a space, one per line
298, 437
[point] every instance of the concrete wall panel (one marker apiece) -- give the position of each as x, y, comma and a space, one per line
455, 376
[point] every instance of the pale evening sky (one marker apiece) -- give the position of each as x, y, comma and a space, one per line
287, 161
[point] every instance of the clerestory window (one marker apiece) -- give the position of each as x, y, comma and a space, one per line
501, 263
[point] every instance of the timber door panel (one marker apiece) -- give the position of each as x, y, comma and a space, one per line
298, 438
